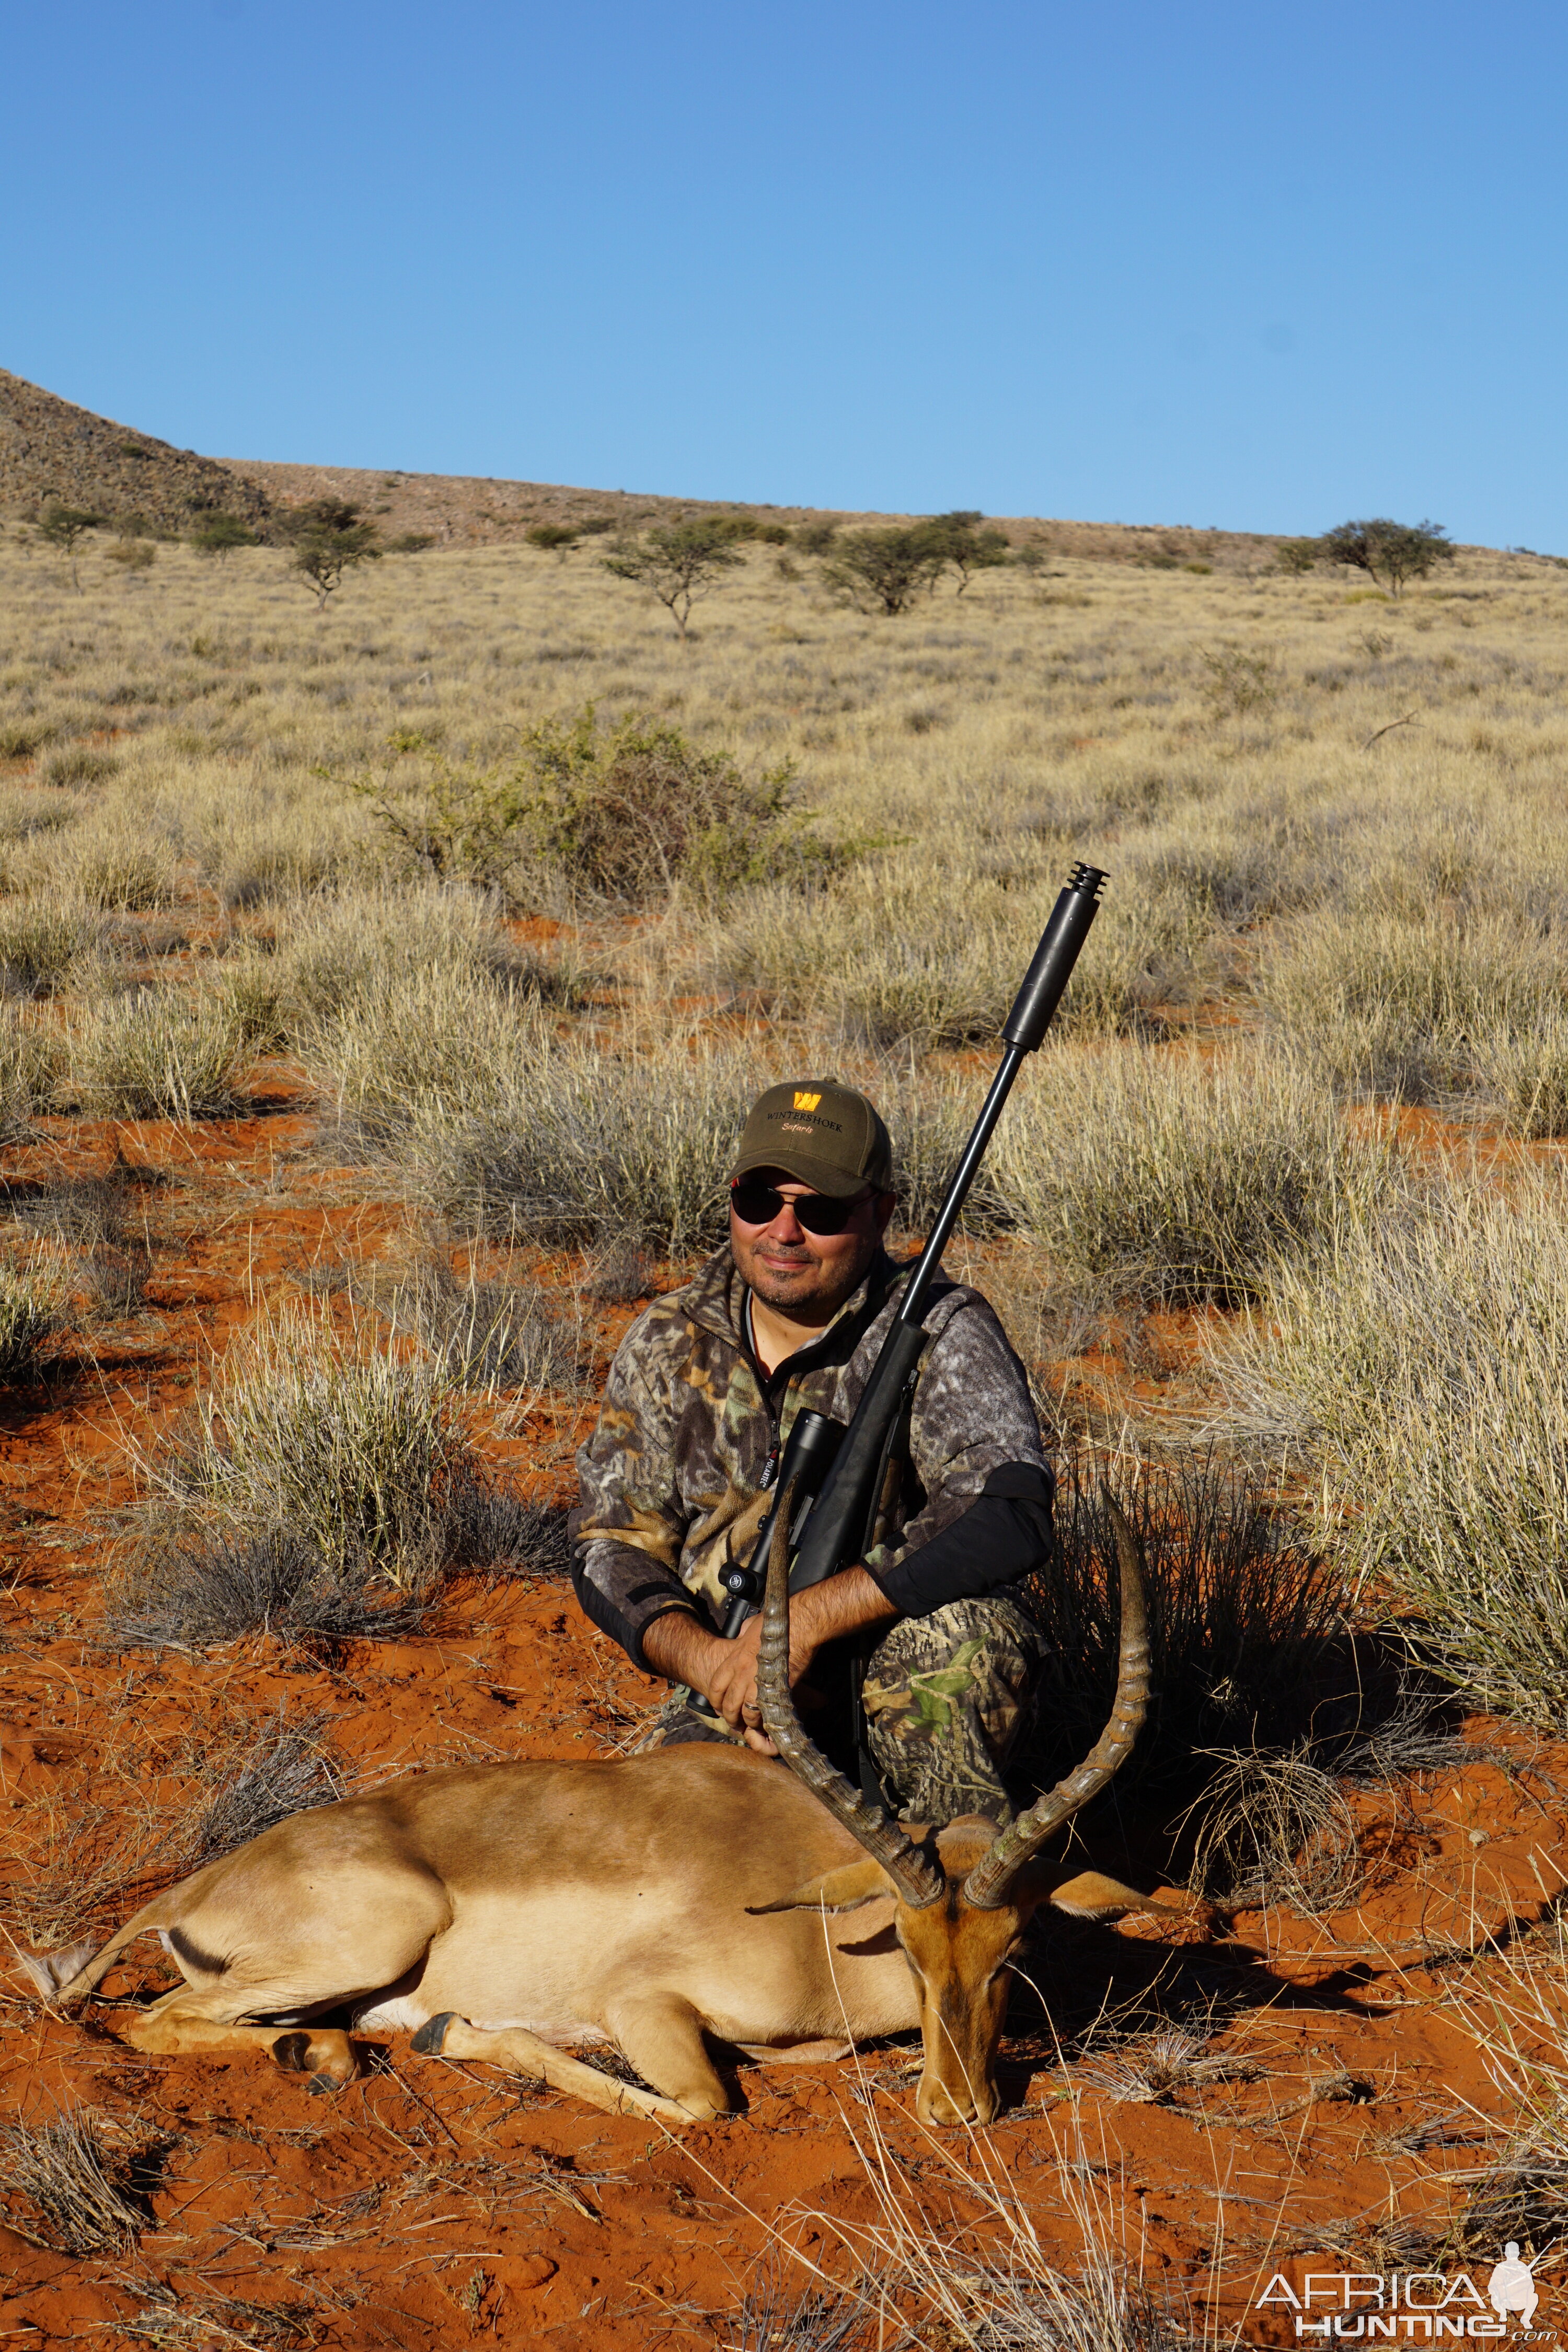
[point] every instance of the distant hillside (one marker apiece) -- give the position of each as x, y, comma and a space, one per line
50, 449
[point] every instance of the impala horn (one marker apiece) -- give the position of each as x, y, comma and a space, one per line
917, 1878
987, 1884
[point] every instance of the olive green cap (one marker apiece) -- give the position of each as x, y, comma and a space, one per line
822, 1135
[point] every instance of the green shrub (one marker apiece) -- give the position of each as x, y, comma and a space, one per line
220, 534
631, 812
1237, 678
625, 815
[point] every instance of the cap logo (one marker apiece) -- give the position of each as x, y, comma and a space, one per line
807, 1102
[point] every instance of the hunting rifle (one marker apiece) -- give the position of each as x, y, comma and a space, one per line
835, 1487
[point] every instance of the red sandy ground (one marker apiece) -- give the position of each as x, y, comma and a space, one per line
429, 2203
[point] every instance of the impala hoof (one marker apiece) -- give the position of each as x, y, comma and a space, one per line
324, 2086
292, 2053
427, 2042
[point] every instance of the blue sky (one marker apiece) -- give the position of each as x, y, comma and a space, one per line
1265, 265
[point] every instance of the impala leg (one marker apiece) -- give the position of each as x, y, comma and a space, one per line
171, 2030
662, 2036
522, 2053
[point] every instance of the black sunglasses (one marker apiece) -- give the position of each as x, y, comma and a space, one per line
819, 1212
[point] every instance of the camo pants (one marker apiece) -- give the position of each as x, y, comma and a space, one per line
945, 1698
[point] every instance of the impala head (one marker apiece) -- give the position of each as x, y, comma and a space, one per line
964, 1896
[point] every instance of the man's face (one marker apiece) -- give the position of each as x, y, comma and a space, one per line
805, 1275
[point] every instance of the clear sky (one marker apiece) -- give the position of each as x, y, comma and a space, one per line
1266, 264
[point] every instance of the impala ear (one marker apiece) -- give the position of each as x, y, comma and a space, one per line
837, 1890
1089, 1895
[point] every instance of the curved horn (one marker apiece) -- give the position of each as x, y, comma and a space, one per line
917, 1879
987, 1884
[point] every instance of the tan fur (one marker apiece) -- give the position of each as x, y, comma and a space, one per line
695, 1896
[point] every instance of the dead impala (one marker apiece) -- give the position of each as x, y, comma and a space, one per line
700, 1893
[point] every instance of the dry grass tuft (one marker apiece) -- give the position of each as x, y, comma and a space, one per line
1423, 1365
79, 2175
158, 1054
1274, 1827
1178, 1180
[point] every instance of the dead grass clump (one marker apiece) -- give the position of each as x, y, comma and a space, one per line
926, 947
47, 943
587, 1149
30, 1060
158, 1054
1176, 1179
488, 1338
191, 1586
79, 2175
1274, 1827
1156, 2073
77, 763
34, 1311
350, 1446
425, 1049
117, 863
323, 1492
1422, 1366
1430, 1006
282, 1769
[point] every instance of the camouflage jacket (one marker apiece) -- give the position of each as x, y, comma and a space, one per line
673, 1479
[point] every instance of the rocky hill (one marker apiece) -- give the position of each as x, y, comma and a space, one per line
51, 449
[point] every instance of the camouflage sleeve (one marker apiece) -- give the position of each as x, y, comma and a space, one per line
975, 1452
628, 1526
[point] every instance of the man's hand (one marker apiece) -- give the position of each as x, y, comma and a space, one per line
726, 1672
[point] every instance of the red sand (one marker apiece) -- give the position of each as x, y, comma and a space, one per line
430, 2202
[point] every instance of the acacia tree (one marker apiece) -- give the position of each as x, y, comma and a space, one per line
885, 569
64, 527
964, 545
329, 539
677, 563
1385, 551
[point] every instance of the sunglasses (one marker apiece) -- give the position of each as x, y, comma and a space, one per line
759, 1204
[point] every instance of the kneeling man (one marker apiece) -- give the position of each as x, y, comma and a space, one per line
791, 1313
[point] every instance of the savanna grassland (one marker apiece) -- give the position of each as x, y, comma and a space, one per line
382, 988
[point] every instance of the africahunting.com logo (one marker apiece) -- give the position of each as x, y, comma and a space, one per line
1404, 2306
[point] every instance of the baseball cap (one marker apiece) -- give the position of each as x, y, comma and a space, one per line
822, 1135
